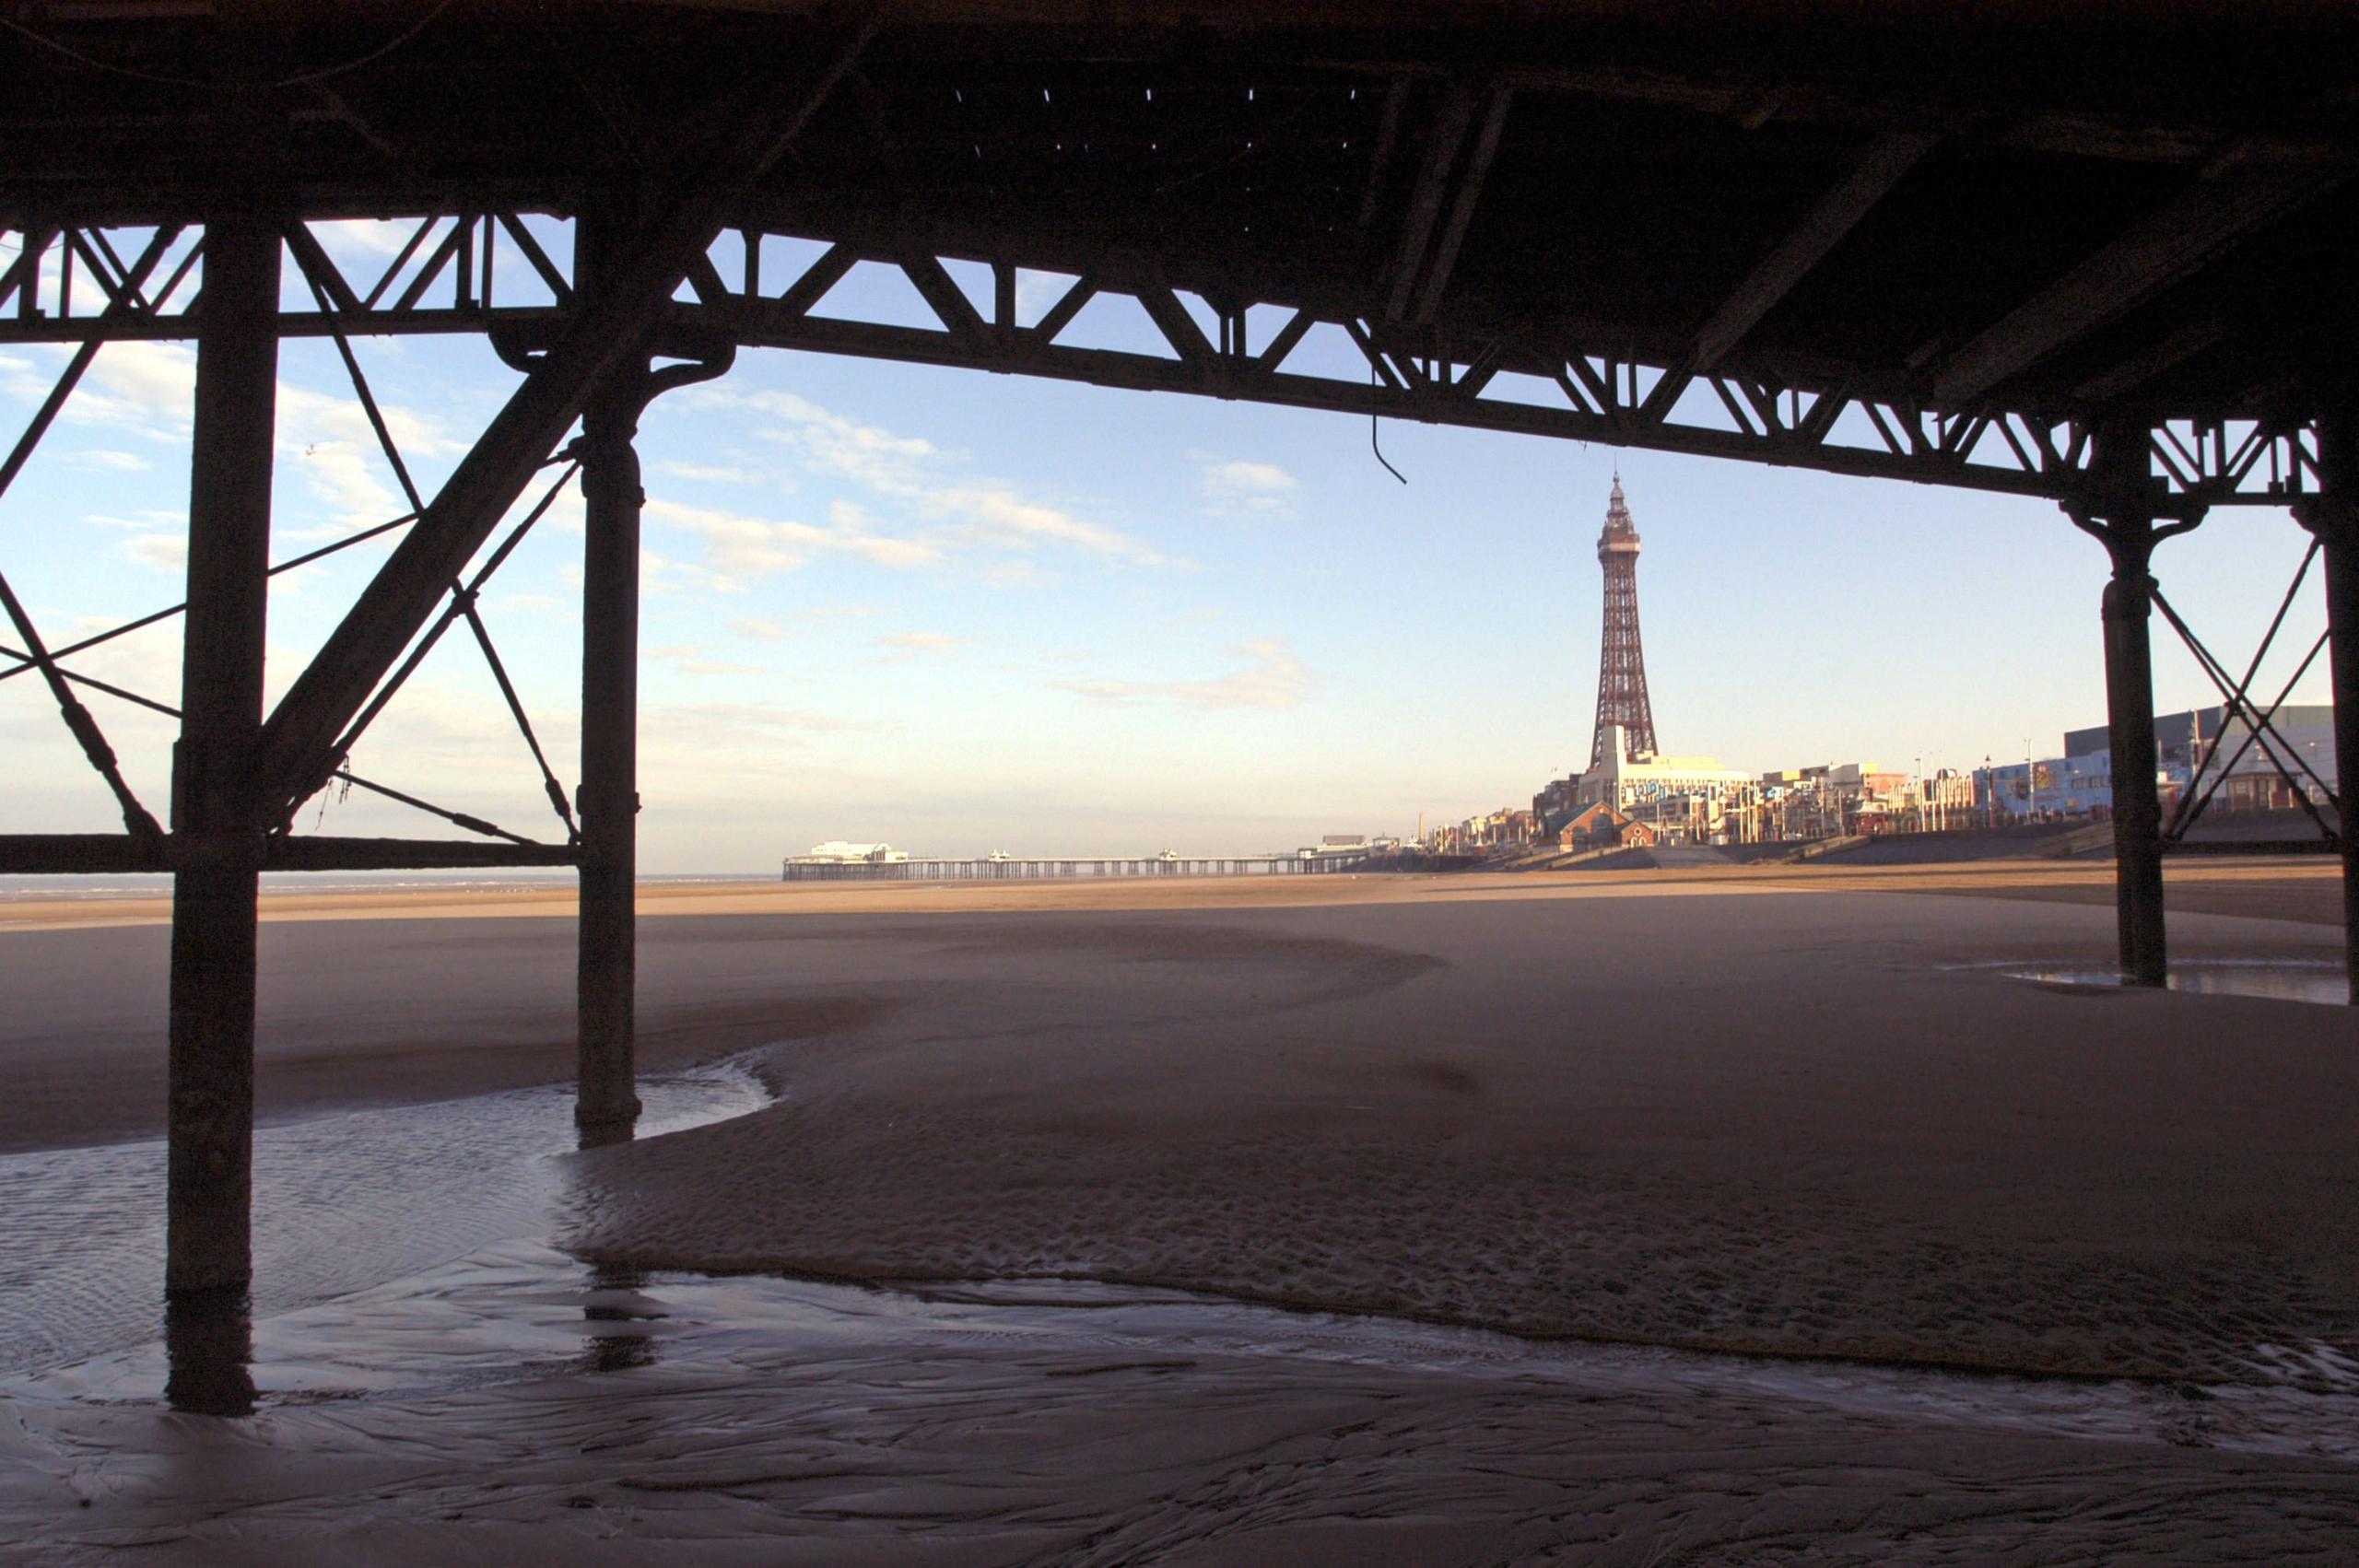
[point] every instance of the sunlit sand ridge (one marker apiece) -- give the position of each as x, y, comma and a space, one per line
1791, 1116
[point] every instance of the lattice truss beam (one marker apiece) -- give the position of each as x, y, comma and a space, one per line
156, 283
508, 272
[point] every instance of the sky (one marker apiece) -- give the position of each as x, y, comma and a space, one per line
960, 613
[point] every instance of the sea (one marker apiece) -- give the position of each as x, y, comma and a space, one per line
154, 884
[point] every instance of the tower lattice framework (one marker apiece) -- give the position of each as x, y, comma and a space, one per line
1621, 664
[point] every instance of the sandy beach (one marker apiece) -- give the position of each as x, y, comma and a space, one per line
1802, 1116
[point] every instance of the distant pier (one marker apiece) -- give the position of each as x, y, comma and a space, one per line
1006, 868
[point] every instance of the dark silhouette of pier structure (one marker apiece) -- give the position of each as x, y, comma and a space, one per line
2099, 256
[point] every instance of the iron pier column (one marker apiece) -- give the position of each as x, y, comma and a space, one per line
208, 1255
2129, 719
2333, 516
2119, 511
607, 1102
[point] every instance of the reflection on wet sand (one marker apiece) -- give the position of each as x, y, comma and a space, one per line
580, 1415
342, 1202
619, 1314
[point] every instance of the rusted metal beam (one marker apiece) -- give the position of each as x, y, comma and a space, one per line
1257, 381
2173, 242
2259, 472
310, 852
299, 740
2174, 349
1436, 281
1876, 172
1442, 143
209, 1131
80, 854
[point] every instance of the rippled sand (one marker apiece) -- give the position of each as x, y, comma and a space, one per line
516, 1408
1776, 1124
1803, 1119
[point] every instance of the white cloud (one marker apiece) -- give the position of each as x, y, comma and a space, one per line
780, 629
21, 377
545, 605
99, 458
138, 521
1270, 676
698, 738
689, 658
364, 235
660, 577
909, 471
997, 515
328, 442
718, 473
164, 551
1016, 574
832, 443
1036, 291
1237, 488
912, 645
739, 549
147, 386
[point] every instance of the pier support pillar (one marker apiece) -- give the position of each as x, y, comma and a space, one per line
208, 1253
2333, 516
2119, 510
607, 1102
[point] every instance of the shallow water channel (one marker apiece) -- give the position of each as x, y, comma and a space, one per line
2280, 979
400, 1252
342, 1202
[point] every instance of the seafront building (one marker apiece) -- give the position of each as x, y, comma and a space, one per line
2218, 744
837, 852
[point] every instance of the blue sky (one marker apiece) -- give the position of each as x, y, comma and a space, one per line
963, 613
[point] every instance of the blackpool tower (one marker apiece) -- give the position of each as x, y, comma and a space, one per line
1622, 668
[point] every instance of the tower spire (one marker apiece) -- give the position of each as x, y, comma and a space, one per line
1622, 665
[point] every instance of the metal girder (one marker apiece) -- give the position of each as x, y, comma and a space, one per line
2165, 245
1436, 279
299, 740
1730, 407
82, 854
1876, 172
329, 853
1446, 135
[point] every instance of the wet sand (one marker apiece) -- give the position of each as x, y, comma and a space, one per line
420, 1004
2304, 887
508, 1414
1797, 1115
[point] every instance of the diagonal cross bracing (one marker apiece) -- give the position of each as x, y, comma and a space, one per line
465, 597
300, 738
2031, 451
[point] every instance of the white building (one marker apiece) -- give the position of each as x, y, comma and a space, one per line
1621, 779
837, 852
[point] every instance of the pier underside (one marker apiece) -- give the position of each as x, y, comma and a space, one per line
2101, 260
